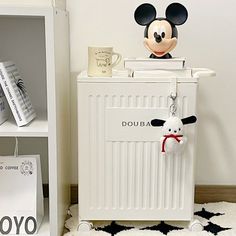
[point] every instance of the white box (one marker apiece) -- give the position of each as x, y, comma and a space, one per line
136, 64
21, 194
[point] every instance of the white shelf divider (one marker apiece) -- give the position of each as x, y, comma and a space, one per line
37, 128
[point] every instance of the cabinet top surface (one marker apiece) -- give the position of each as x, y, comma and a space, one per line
122, 77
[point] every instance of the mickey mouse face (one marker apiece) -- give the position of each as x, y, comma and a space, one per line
160, 33
159, 40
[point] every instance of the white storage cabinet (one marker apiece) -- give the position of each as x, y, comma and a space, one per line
36, 39
122, 174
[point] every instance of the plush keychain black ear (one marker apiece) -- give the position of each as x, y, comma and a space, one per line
157, 122
145, 14
189, 120
176, 13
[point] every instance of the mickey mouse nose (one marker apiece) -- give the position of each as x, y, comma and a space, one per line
175, 131
157, 37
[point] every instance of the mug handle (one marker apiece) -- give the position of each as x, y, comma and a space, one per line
118, 59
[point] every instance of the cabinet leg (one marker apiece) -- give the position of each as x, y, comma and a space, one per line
84, 226
195, 225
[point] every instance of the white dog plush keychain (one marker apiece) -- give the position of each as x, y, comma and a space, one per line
173, 138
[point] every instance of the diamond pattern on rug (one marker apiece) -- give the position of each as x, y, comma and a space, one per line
113, 228
217, 219
163, 228
206, 214
215, 229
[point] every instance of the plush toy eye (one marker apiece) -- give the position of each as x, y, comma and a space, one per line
169, 130
179, 129
163, 34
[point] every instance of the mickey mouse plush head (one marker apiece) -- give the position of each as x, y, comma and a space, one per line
160, 35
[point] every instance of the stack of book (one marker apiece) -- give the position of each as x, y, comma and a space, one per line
147, 67
12, 86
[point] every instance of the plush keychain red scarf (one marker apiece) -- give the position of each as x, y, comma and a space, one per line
176, 137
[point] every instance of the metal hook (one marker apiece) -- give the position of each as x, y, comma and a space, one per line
173, 96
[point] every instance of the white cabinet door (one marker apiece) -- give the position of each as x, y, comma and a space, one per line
122, 175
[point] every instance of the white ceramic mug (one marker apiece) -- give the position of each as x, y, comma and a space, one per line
100, 61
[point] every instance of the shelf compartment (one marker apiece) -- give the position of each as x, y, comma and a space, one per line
37, 128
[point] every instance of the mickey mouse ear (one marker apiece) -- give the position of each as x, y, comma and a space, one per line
144, 14
176, 13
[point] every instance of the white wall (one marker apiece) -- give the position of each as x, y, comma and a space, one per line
207, 40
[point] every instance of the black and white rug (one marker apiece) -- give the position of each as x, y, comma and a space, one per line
217, 219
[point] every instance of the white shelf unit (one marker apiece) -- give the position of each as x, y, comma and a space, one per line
36, 39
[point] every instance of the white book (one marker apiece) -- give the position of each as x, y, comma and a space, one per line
16, 94
134, 64
4, 108
184, 73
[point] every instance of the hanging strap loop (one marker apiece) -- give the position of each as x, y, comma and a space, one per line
173, 96
173, 87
